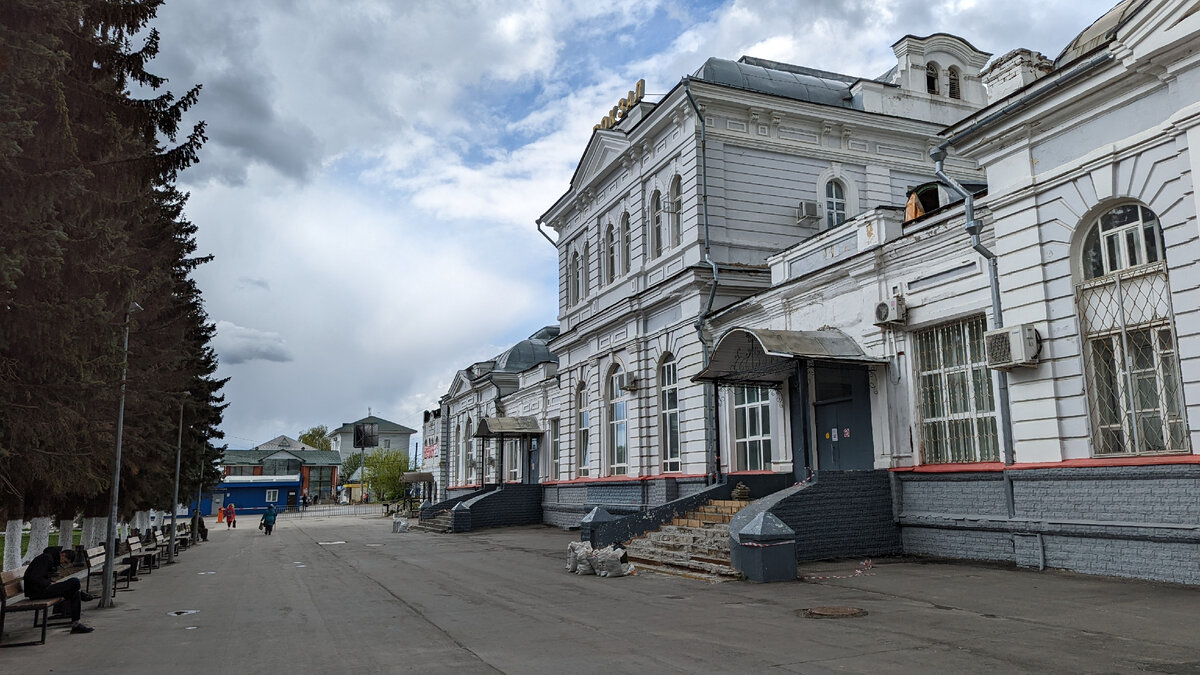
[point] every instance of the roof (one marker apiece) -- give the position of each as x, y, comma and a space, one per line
385, 426
754, 355
495, 426
1100, 32
781, 79
307, 456
250, 480
527, 353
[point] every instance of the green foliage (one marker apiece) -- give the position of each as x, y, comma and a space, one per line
350, 464
316, 437
385, 470
90, 220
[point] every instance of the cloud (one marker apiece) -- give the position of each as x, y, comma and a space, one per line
247, 282
237, 344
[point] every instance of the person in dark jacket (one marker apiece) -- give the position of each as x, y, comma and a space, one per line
268, 519
40, 584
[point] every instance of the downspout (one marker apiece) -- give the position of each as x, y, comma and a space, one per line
713, 451
974, 227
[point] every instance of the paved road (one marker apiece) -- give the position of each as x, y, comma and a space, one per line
345, 595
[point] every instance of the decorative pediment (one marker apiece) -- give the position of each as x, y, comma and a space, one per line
460, 385
603, 150
282, 454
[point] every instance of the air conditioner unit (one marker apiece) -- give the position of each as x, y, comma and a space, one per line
806, 211
1013, 346
890, 311
628, 382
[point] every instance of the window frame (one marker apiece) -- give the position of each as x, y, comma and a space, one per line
668, 393
835, 204
939, 415
626, 244
750, 431
271, 495
675, 195
610, 254
555, 449
954, 82
656, 225
617, 407
933, 79
582, 433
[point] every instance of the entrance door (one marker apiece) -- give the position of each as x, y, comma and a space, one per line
291, 500
218, 501
533, 453
842, 416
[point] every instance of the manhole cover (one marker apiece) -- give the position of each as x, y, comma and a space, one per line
181, 612
833, 612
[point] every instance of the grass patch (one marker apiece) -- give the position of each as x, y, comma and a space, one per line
53, 539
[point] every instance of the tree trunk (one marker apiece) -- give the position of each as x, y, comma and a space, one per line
95, 529
12, 544
39, 538
66, 533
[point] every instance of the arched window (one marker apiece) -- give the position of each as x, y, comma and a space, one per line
573, 280
618, 424
456, 457
610, 254
835, 203
586, 283
931, 78
668, 408
1130, 359
625, 244
953, 88
582, 461
656, 224
676, 209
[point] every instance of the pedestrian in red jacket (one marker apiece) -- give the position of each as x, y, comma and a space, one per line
230, 517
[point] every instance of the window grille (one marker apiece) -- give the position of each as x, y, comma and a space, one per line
1135, 396
752, 428
956, 398
669, 414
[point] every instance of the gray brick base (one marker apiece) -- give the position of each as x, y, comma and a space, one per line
1139, 522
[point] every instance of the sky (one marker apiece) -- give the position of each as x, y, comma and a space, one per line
374, 168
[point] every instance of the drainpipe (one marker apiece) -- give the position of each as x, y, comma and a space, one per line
974, 227
713, 450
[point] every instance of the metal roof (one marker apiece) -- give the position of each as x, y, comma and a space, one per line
496, 426
757, 355
778, 79
385, 426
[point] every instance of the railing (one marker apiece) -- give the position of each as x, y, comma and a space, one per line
327, 510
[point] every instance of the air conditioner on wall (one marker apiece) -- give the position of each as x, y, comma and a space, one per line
890, 311
1012, 346
806, 212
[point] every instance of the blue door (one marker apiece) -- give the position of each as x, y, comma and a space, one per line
842, 416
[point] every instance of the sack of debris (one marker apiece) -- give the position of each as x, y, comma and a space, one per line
579, 555
399, 524
611, 562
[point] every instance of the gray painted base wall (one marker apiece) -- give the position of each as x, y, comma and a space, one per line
1139, 521
565, 504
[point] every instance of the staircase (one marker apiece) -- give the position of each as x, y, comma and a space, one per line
695, 545
439, 523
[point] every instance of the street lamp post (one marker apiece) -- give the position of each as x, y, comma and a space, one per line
106, 600
175, 494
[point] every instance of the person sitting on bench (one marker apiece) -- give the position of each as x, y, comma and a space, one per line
40, 585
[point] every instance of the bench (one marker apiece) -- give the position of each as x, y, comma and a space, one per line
139, 556
13, 586
95, 562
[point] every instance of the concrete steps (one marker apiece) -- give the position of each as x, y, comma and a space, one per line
440, 523
694, 545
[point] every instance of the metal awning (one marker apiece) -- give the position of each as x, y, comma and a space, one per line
417, 477
490, 427
761, 356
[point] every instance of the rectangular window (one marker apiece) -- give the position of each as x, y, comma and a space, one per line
582, 462
669, 416
240, 470
752, 428
272, 496
387, 444
281, 467
555, 450
956, 400
512, 451
320, 482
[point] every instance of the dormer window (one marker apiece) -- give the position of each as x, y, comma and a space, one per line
953, 88
931, 78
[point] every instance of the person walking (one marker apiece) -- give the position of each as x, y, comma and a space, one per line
268, 519
230, 516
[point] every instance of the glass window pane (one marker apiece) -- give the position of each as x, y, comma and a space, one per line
1112, 245
959, 392
739, 395
739, 417
766, 421
1093, 258
982, 379
1122, 215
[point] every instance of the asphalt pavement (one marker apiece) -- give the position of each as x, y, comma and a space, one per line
345, 595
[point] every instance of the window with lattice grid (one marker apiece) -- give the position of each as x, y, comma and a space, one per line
752, 428
1135, 398
955, 394
618, 425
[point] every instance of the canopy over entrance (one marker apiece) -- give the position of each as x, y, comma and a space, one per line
767, 357
490, 427
417, 477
